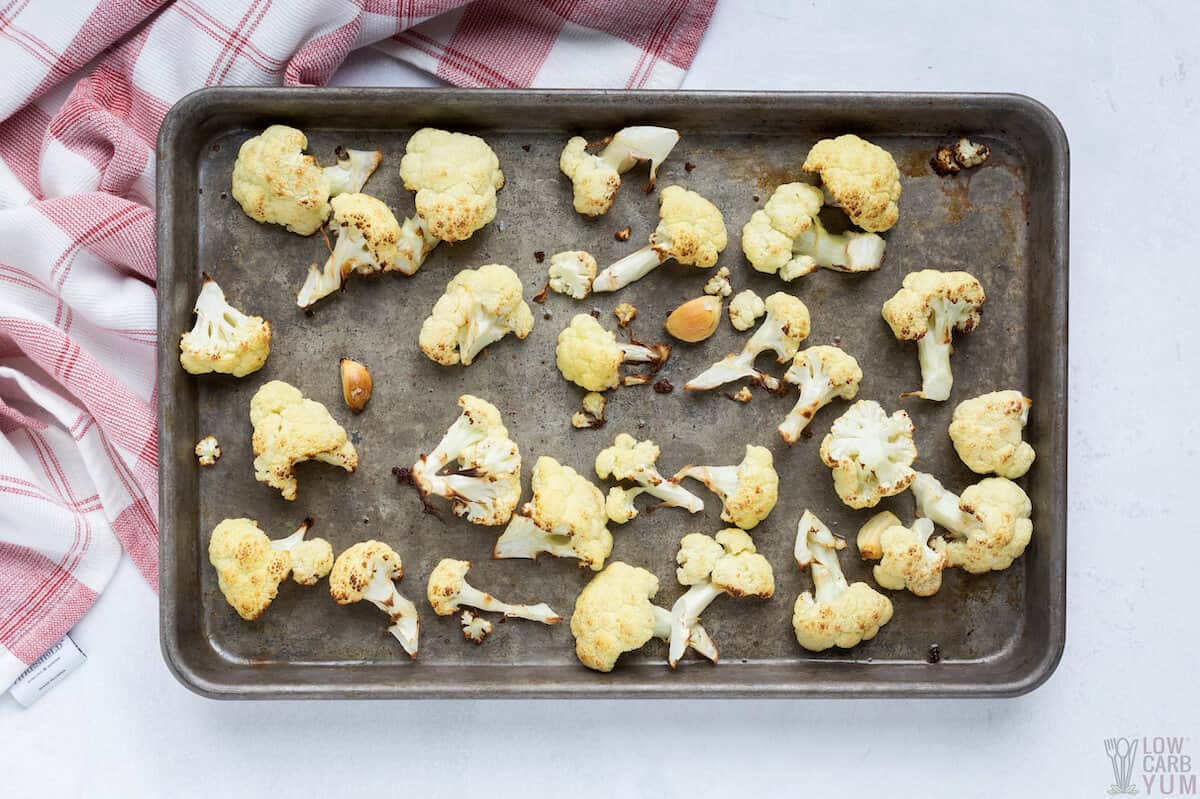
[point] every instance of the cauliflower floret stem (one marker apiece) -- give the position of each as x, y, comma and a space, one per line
290, 542
382, 593
218, 318
632, 267
349, 174
849, 251
933, 353
469, 595
817, 547
721, 480
685, 613
730, 368
524, 539
815, 394
698, 638
940, 506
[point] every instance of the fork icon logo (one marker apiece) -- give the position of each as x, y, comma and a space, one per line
1122, 752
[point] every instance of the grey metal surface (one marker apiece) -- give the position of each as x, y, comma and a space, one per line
998, 634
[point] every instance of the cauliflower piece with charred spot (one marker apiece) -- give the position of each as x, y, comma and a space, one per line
368, 570
745, 309
251, 566
565, 518
633, 460
748, 490
590, 356
223, 339
614, 614
870, 453
487, 485
986, 432
289, 429
448, 590
691, 230
456, 177
475, 628
837, 613
274, 181
786, 237
207, 451
480, 307
989, 525
822, 374
718, 285
595, 178
572, 273
592, 415
786, 326
928, 309
906, 561
725, 564
369, 241
860, 177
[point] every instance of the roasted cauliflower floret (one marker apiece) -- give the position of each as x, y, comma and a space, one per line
590, 356
748, 490
274, 181
480, 307
632, 460
369, 241
870, 453
860, 177
838, 613
289, 429
745, 309
718, 285
223, 339
928, 309
565, 518
572, 273
475, 628
906, 561
487, 485
595, 178
691, 230
989, 525
614, 614
250, 566
456, 177
711, 566
207, 451
822, 374
368, 570
986, 432
786, 326
786, 237
448, 590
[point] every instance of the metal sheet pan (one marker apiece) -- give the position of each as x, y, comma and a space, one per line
999, 634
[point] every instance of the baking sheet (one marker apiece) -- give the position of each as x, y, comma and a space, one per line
1006, 222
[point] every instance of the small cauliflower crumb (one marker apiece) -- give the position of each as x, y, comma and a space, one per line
207, 451
745, 310
970, 154
743, 395
718, 285
592, 415
625, 314
475, 628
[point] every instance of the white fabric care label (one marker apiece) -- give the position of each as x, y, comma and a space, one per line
47, 671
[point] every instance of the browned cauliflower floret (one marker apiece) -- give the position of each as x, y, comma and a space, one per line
928, 309
251, 566
590, 356
691, 230
368, 570
614, 614
989, 525
448, 590
456, 177
566, 518
870, 453
595, 178
823, 374
986, 432
223, 339
786, 326
289, 429
274, 181
860, 177
711, 566
748, 491
633, 460
839, 614
480, 307
906, 561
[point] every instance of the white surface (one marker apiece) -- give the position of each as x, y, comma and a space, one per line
1125, 86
